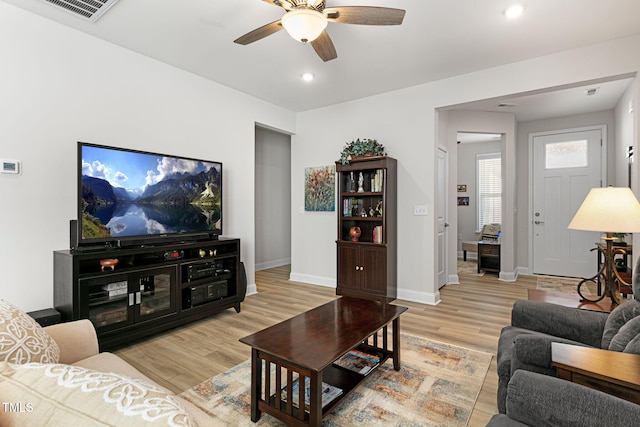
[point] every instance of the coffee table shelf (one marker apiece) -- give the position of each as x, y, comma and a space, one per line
307, 345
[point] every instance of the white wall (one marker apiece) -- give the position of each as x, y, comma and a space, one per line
273, 199
404, 121
627, 126
623, 119
59, 86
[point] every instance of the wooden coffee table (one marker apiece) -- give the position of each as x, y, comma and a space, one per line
305, 347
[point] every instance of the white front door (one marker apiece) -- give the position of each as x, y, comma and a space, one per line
566, 165
441, 217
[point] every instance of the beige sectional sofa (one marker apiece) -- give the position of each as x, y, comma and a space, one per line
56, 376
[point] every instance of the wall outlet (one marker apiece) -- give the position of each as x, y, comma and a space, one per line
420, 210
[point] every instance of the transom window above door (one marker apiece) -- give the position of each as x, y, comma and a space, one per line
567, 154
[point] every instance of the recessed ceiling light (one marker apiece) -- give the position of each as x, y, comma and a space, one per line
514, 11
307, 77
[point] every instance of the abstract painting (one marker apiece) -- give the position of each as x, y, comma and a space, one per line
319, 189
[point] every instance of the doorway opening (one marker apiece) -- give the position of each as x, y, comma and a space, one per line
272, 199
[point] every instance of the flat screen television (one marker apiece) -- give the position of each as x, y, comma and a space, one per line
129, 197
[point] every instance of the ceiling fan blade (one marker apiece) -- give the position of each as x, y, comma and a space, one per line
285, 4
365, 15
259, 33
324, 47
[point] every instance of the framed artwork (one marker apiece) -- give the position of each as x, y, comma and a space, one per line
462, 188
320, 189
463, 201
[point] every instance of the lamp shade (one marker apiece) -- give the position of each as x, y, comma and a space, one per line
608, 210
304, 25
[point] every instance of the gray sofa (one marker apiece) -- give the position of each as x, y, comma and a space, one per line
539, 400
525, 346
526, 343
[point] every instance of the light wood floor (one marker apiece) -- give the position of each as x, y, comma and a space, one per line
470, 315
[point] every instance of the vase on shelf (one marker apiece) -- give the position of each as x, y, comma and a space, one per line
355, 233
351, 184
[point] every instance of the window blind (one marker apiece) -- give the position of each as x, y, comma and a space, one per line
489, 189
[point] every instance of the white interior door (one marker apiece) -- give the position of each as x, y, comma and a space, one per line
441, 217
566, 165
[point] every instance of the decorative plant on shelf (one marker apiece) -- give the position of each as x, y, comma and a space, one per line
361, 147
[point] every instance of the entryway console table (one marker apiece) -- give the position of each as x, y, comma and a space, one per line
489, 256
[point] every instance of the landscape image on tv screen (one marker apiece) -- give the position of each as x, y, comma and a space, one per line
129, 193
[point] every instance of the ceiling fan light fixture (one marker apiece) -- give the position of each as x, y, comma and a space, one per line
304, 25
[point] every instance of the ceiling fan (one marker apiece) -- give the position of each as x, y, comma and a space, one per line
306, 21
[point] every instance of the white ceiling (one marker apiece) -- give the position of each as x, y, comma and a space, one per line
438, 39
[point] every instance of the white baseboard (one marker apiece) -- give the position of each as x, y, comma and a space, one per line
421, 297
413, 296
313, 280
252, 289
507, 276
272, 264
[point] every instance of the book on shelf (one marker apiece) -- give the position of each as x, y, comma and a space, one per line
118, 292
358, 361
377, 181
329, 393
377, 234
116, 286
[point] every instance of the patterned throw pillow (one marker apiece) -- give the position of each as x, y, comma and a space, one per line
22, 339
51, 394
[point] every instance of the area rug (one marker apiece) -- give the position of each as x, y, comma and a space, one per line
437, 386
469, 268
564, 284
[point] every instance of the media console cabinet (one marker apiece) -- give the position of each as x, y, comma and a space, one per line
148, 289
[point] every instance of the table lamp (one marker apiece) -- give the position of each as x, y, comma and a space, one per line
608, 210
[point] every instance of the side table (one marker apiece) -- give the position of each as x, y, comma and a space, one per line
571, 300
611, 372
489, 256
624, 268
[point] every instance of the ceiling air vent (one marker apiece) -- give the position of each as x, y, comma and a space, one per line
90, 10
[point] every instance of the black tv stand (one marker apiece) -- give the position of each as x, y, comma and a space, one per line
150, 288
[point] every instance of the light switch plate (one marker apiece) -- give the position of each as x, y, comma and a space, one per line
10, 166
420, 210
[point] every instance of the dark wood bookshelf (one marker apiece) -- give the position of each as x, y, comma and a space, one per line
367, 268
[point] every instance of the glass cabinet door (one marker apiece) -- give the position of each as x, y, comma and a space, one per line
108, 301
155, 292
